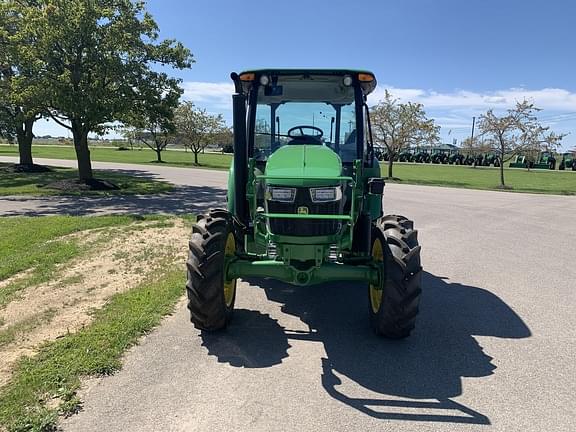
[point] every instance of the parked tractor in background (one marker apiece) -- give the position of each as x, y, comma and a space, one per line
422, 156
456, 158
519, 161
491, 159
406, 156
469, 160
545, 160
304, 206
379, 153
568, 162
439, 157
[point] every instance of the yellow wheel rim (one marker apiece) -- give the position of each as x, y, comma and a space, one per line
375, 292
229, 286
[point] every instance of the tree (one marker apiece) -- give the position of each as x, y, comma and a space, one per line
196, 128
95, 58
153, 119
22, 94
156, 137
398, 126
518, 131
225, 138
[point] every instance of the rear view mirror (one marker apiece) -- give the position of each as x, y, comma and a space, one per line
376, 186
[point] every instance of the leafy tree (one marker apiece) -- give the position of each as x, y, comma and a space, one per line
153, 119
22, 93
225, 138
518, 131
398, 126
95, 58
156, 137
196, 128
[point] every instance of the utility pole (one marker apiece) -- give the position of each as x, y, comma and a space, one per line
472, 138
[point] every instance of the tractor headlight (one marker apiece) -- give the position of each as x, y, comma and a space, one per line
281, 194
326, 194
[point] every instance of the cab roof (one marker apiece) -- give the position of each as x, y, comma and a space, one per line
367, 86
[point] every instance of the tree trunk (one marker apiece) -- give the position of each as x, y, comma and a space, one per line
158, 155
390, 164
25, 137
502, 150
196, 156
80, 134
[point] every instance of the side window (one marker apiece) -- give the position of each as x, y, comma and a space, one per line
262, 132
368, 144
348, 151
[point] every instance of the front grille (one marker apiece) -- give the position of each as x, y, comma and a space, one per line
308, 227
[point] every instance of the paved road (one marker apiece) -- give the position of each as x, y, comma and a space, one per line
493, 351
196, 190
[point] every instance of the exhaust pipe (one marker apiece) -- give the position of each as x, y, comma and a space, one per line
240, 151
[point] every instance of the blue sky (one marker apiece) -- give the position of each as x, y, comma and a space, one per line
457, 57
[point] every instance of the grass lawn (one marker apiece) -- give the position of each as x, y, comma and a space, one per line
144, 156
43, 386
14, 183
521, 180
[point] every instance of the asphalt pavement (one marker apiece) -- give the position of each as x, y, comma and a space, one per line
493, 350
195, 190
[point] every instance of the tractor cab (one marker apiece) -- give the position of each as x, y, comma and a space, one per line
306, 153
323, 109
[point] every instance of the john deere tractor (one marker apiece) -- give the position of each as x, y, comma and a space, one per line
568, 162
304, 202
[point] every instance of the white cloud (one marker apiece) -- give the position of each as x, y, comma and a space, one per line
219, 94
214, 95
548, 98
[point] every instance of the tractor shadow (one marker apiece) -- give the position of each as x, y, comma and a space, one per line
253, 340
412, 379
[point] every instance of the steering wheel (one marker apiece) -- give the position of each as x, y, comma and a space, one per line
302, 134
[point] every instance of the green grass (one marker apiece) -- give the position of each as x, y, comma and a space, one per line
34, 243
53, 375
520, 180
144, 156
14, 183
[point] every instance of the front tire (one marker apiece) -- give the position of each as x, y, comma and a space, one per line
393, 306
210, 297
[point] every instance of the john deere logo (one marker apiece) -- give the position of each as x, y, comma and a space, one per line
302, 210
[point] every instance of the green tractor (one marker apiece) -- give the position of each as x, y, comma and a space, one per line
519, 162
568, 162
304, 202
406, 156
546, 160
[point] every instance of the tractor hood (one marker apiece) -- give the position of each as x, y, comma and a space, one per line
302, 163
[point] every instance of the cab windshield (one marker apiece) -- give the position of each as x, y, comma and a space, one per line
319, 107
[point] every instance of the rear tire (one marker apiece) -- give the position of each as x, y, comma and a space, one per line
211, 298
393, 312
